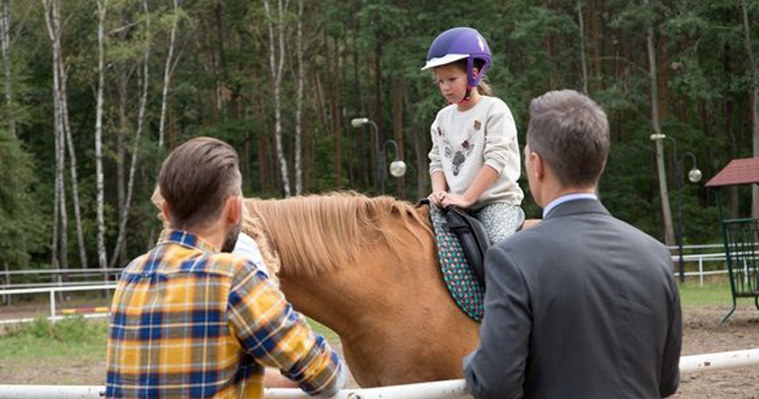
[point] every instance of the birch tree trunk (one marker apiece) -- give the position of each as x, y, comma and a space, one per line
102, 255
276, 64
72, 157
299, 102
65, 130
5, 50
53, 21
60, 216
135, 147
167, 75
754, 102
669, 234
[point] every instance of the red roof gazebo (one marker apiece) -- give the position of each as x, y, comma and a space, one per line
738, 171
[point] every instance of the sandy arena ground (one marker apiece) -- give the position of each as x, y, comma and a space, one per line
702, 334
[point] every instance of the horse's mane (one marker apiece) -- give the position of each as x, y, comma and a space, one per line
319, 233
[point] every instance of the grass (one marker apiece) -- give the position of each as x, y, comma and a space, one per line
711, 294
72, 337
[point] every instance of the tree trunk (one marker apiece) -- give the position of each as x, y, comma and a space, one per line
299, 102
336, 119
53, 21
123, 73
221, 72
663, 76
5, 47
100, 188
136, 146
595, 43
669, 235
276, 64
60, 220
753, 102
63, 92
167, 74
397, 93
583, 61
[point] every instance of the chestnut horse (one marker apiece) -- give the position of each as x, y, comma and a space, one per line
367, 269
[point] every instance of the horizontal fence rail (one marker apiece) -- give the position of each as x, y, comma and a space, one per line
52, 291
451, 389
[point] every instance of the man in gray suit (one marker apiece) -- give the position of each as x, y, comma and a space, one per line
583, 305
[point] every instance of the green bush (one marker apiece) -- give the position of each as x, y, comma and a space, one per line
69, 329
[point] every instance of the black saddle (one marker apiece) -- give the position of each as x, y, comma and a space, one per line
473, 238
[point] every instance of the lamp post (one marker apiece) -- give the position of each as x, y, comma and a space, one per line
694, 176
397, 167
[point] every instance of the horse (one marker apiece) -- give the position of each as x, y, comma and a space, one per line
367, 269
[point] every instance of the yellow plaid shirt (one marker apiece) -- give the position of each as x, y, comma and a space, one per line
189, 322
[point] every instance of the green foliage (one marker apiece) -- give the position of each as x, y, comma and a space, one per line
361, 59
22, 227
71, 328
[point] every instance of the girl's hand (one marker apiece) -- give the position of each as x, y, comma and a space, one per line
457, 200
437, 197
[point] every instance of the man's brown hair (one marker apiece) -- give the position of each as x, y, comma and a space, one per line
196, 179
571, 133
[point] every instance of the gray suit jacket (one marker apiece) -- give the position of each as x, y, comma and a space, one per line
581, 306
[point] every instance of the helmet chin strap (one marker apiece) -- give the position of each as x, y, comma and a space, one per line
467, 96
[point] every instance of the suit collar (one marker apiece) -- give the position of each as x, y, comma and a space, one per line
577, 206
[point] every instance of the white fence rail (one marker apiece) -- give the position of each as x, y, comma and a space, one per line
51, 292
451, 389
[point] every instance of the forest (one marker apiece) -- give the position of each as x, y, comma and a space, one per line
95, 93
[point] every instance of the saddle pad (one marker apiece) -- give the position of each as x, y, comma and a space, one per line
458, 277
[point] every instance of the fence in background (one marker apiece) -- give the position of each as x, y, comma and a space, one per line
51, 293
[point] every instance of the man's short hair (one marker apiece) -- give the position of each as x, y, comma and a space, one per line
196, 179
571, 133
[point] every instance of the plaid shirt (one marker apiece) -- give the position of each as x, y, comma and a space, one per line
189, 322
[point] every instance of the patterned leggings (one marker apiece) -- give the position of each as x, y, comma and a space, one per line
500, 219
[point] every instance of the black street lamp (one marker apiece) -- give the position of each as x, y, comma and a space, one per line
694, 176
397, 167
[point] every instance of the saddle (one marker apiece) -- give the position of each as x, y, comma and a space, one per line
461, 242
473, 238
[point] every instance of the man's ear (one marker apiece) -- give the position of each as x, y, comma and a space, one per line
165, 210
538, 166
233, 209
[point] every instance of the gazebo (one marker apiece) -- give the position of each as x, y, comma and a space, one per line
741, 236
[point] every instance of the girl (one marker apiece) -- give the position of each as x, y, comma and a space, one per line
474, 161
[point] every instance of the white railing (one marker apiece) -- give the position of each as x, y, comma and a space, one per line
52, 290
451, 389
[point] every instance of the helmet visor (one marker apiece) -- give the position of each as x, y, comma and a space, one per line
446, 59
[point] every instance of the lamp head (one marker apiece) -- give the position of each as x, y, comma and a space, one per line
398, 168
358, 122
694, 175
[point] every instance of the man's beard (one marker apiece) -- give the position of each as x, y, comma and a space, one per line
231, 239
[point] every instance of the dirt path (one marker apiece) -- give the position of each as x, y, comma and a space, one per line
702, 334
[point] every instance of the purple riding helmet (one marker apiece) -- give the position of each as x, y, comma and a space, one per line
458, 44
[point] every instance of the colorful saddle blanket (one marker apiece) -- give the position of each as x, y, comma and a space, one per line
458, 277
